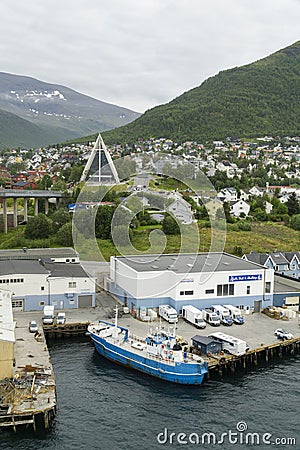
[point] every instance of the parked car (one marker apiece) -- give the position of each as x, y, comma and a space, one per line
33, 326
61, 318
283, 334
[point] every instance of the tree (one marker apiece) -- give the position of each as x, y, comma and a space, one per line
64, 235
59, 218
45, 182
103, 221
60, 185
170, 226
295, 222
134, 204
38, 227
75, 173
293, 204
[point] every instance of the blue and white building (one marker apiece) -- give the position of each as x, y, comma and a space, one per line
283, 263
37, 282
201, 280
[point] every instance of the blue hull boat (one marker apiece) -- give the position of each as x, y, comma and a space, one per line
158, 355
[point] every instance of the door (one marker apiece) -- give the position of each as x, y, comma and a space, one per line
85, 301
18, 305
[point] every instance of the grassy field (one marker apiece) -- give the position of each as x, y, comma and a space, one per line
264, 237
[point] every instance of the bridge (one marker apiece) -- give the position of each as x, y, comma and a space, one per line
25, 194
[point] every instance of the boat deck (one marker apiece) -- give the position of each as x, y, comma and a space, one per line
138, 346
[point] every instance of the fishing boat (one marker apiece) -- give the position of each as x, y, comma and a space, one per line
159, 354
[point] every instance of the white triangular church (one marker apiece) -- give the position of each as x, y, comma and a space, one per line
100, 168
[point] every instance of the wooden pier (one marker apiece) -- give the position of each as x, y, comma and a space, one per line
67, 330
221, 365
29, 398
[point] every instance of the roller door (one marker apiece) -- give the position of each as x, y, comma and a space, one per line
85, 301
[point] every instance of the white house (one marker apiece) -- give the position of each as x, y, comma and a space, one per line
228, 194
34, 284
239, 208
181, 210
244, 194
256, 191
268, 207
202, 280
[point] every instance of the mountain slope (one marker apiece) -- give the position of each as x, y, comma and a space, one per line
64, 112
252, 100
18, 132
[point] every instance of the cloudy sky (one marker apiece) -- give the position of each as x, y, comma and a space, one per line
140, 53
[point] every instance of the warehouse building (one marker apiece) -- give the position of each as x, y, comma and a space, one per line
198, 279
35, 283
7, 335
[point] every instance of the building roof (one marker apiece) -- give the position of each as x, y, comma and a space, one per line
284, 285
63, 270
37, 253
258, 258
14, 267
204, 340
278, 258
188, 262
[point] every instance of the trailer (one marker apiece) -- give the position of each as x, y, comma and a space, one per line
194, 316
230, 344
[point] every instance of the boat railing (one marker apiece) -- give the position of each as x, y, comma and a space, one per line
159, 358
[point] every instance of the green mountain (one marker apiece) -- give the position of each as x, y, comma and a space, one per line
18, 132
253, 100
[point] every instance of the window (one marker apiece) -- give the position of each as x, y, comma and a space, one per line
248, 290
72, 284
17, 303
42, 303
268, 287
67, 260
42, 288
209, 291
225, 289
181, 292
189, 292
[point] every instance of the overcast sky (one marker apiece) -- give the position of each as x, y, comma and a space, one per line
140, 53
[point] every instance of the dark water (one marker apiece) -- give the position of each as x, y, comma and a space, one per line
104, 406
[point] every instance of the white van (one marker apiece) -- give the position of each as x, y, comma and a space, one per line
168, 313
224, 314
61, 318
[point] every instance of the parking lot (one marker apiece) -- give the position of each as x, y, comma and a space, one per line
257, 330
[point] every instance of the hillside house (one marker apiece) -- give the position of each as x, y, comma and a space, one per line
239, 208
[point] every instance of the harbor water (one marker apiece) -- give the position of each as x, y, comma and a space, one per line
104, 406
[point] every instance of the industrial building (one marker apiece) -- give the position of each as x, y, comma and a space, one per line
7, 335
46, 277
200, 279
